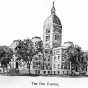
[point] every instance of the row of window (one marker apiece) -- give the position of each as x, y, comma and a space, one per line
55, 57
49, 72
56, 37
55, 66
65, 66
57, 52
56, 29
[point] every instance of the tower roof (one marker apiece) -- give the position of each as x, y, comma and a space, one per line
53, 17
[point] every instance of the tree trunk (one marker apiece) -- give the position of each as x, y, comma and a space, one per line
71, 67
28, 65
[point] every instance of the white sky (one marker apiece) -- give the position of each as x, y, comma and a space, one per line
21, 19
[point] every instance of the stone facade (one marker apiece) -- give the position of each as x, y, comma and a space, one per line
56, 61
52, 37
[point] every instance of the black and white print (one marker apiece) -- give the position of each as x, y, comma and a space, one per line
44, 57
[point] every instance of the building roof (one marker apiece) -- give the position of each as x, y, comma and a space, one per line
53, 18
36, 37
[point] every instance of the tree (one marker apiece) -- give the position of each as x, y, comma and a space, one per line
25, 51
38, 47
75, 57
83, 63
5, 56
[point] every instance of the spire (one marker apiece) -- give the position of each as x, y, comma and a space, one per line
53, 9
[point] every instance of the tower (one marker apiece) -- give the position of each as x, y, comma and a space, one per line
52, 37
52, 31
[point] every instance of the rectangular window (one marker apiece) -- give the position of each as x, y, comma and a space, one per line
58, 57
48, 64
58, 72
62, 66
48, 72
44, 72
63, 72
56, 37
47, 38
54, 72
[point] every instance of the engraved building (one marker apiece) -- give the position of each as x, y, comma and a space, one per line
52, 38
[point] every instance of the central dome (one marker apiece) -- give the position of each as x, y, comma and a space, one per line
53, 18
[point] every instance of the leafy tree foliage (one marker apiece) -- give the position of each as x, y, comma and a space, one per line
5, 55
39, 47
25, 51
76, 57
